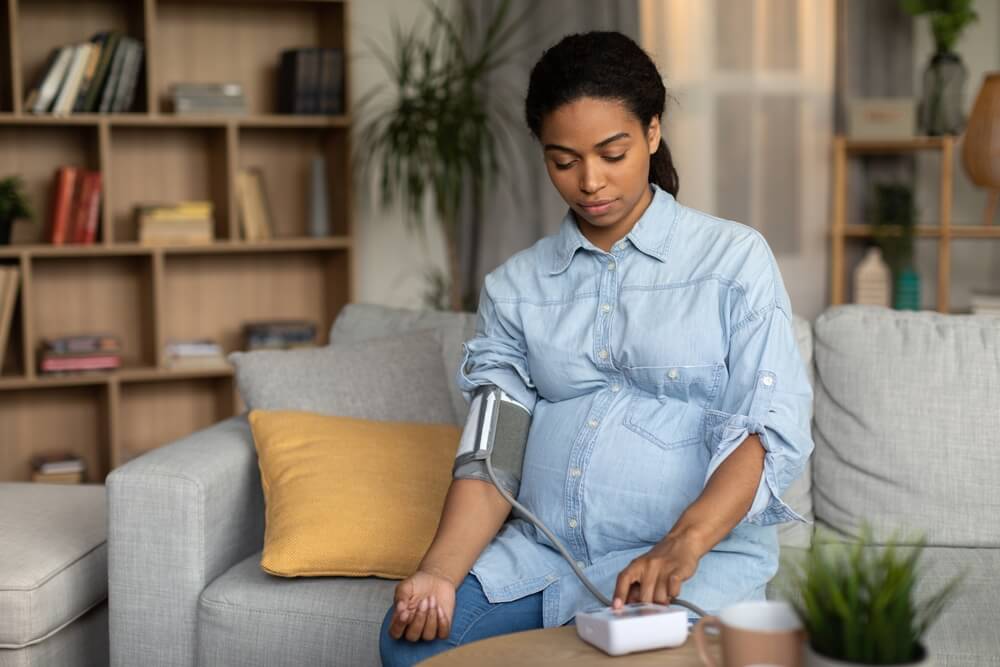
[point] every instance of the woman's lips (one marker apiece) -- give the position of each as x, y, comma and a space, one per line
598, 208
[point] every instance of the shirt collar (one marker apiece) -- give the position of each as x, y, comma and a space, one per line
650, 233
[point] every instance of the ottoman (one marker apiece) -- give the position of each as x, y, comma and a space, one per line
53, 575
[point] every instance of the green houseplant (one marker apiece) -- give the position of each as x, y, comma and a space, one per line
13, 206
438, 134
895, 215
944, 79
858, 603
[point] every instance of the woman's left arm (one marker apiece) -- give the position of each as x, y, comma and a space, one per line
760, 443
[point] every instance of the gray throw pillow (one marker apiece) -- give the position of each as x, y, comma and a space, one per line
397, 378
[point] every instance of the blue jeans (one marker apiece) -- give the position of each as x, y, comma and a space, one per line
475, 617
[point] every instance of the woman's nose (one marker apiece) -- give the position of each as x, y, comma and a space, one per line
591, 179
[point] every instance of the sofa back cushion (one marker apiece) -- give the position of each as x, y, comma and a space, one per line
362, 321
905, 424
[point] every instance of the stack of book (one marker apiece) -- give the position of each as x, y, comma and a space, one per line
58, 468
76, 206
311, 81
985, 303
253, 204
183, 223
100, 75
208, 98
279, 334
195, 353
72, 354
10, 278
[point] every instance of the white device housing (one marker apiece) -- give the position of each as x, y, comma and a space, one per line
634, 627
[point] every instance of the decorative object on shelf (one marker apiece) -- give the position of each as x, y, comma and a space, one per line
945, 75
254, 205
183, 223
881, 117
14, 206
208, 98
82, 352
858, 601
10, 278
895, 224
279, 334
981, 148
438, 135
319, 209
311, 81
873, 280
99, 75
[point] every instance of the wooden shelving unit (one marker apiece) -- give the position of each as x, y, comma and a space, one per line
147, 295
943, 233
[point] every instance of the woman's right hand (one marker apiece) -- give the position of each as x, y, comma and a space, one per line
425, 604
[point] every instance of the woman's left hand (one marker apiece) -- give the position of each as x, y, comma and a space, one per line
656, 576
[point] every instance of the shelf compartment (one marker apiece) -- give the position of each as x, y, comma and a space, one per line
153, 414
210, 296
209, 42
58, 418
166, 165
285, 158
96, 295
56, 23
34, 154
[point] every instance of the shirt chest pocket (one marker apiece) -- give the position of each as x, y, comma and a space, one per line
667, 403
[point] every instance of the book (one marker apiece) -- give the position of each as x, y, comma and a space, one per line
56, 462
331, 78
93, 97
82, 343
114, 76
50, 364
35, 93
125, 91
97, 43
57, 478
62, 200
67, 94
86, 207
9, 280
53, 80
254, 206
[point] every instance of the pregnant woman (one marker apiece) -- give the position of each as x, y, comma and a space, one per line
653, 346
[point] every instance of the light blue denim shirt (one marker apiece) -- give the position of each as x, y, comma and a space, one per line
644, 368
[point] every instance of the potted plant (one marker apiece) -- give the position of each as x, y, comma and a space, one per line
437, 135
13, 206
857, 601
940, 110
895, 225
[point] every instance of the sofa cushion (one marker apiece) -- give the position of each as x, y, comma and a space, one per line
351, 497
53, 558
247, 617
397, 378
905, 424
362, 321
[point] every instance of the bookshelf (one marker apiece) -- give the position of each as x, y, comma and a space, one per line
148, 294
943, 232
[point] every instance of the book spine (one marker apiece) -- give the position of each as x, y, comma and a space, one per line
65, 187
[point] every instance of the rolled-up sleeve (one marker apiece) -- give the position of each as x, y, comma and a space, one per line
768, 394
496, 354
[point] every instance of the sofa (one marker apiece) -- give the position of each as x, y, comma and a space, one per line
904, 422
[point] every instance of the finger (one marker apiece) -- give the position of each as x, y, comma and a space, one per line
648, 584
416, 626
661, 594
624, 581
444, 623
431, 625
404, 591
674, 587
397, 625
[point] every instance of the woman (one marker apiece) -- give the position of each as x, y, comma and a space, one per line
654, 345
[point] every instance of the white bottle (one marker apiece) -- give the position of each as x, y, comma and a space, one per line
873, 280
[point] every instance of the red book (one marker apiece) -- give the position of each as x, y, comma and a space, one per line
86, 207
81, 363
62, 201
77, 212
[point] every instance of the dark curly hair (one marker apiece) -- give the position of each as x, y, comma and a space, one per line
604, 65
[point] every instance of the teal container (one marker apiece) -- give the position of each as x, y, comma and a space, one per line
906, 295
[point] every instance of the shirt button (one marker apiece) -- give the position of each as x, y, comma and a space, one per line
575, 472
592, 423
672, 374
615, 388
572, 523
606, 307
611, 266
580, 564
767, 380
550, 577
603, 354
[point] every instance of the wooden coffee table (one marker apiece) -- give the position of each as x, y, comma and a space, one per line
553, 646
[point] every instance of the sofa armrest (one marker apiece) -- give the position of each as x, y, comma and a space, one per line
178, 517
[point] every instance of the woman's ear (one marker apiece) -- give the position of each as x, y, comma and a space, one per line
653, 135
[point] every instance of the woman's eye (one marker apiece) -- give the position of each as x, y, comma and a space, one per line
563, 166
615, 158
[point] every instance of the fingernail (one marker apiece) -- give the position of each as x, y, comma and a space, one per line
405, 615
423, 605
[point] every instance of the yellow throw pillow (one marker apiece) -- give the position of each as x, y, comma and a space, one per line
350, 497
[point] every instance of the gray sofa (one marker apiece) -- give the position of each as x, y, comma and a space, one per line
905, 419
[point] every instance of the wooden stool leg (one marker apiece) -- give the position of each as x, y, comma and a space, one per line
991, 206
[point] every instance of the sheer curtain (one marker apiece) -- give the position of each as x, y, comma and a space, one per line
750, 132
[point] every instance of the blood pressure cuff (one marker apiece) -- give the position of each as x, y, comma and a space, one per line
497, 427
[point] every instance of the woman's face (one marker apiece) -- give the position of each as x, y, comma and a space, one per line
597, 156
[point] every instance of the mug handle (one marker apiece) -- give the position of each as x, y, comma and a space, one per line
701, 642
